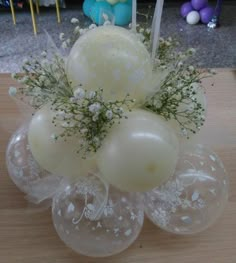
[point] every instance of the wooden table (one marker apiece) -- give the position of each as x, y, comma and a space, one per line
27, 234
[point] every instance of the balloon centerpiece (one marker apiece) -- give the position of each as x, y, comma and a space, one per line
104, 141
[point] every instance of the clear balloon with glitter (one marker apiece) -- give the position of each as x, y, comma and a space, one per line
96, 221
194, 197
29, 177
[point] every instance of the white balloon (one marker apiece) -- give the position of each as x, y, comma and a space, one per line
193, 18
93, 223
140, 153
194, 197
58, 157
111, 58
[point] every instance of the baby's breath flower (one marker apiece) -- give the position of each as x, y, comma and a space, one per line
76, 30
91, 95
74, 20
68, 41
79, 93
25, 61
191, 51
109, 114
180, 64
212, 71
64, 45
191, 68
12, 91
54, 137
44, 54
13, 75
62, 36
94, 108
92, 26
23, 80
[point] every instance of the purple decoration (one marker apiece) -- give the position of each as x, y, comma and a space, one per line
185, 9
206, 14
199, 4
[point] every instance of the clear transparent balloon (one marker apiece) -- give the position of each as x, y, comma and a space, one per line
194, 197
25, 172
95, 221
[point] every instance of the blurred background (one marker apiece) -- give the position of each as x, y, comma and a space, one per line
216, 47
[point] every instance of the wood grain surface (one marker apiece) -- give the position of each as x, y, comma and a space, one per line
27, 234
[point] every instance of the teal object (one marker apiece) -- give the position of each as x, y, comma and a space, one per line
98, 9
129, 2
122, 13
87, 6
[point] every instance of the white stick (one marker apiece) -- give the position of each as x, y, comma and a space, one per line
134, 14
156, 25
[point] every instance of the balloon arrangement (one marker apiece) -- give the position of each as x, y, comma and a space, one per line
197, 10
120, 9
104, 142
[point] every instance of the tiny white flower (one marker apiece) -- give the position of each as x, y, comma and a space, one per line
192, 51
76, 30
23, 80
91, 95
74, 20
12, 91
184, 132
95, 118
79, 93
82, 31
191, 68
120, 110
213, 71
177, 96
148, 30
180, 64
92, 26
68, 41
62, 36
141, 30
109, 114
67, 124
54, 137
44, 54
167, 43
13, 75
64, 45
95, 107
96, 140
25, 61
107, 23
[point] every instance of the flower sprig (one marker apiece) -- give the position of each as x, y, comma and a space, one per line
178, 98
43, 80
87, 115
